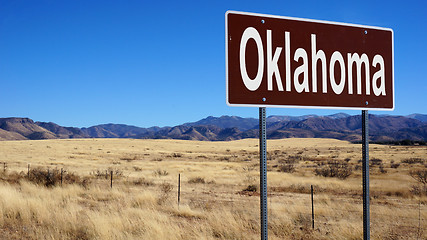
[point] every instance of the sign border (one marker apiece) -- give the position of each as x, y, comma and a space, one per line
305, 20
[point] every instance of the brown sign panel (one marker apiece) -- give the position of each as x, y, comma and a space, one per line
288, 62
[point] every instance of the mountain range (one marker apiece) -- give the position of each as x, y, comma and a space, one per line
382, 128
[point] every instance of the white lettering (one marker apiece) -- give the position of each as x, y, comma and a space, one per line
303, 69
378, 59
358, 60
251, 84
288, 60
315, 56
301, 81
272, 67
338, 88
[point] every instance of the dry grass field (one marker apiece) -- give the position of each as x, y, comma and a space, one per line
219, 189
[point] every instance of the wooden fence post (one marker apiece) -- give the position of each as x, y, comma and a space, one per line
111, 183
179, 188
312, 207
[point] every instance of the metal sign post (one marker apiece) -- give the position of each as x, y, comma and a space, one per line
263, 172
365, 174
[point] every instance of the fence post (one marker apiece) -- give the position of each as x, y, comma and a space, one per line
419, 219
111, 184
61, 176
28, 173
4, 167
312, 207
179, 188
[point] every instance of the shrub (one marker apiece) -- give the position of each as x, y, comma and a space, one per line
419, 175
49, 177
294, 158
13, 177
160, 173
165, 189
100, 173
129, 158
85, 182
70, 178
413, 160
287, 168
137, 169
382, 170
375, 161
106, 173
419, 190
42, 177
196, 180
142, 181
394, 165
334, 168
251, 188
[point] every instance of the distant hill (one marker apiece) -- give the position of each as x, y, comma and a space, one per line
275, 118
227, 122
63, 132
23, 128
349, 128
7, 135
117, 131
421, 117
342, 126
120, 130
278, 118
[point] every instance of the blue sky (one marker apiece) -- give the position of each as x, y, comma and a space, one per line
162, 63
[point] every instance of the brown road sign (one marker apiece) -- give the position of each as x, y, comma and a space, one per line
274, 61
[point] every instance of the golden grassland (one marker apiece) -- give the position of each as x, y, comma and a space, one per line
217, 183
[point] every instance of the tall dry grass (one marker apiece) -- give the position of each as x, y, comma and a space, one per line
143, 201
